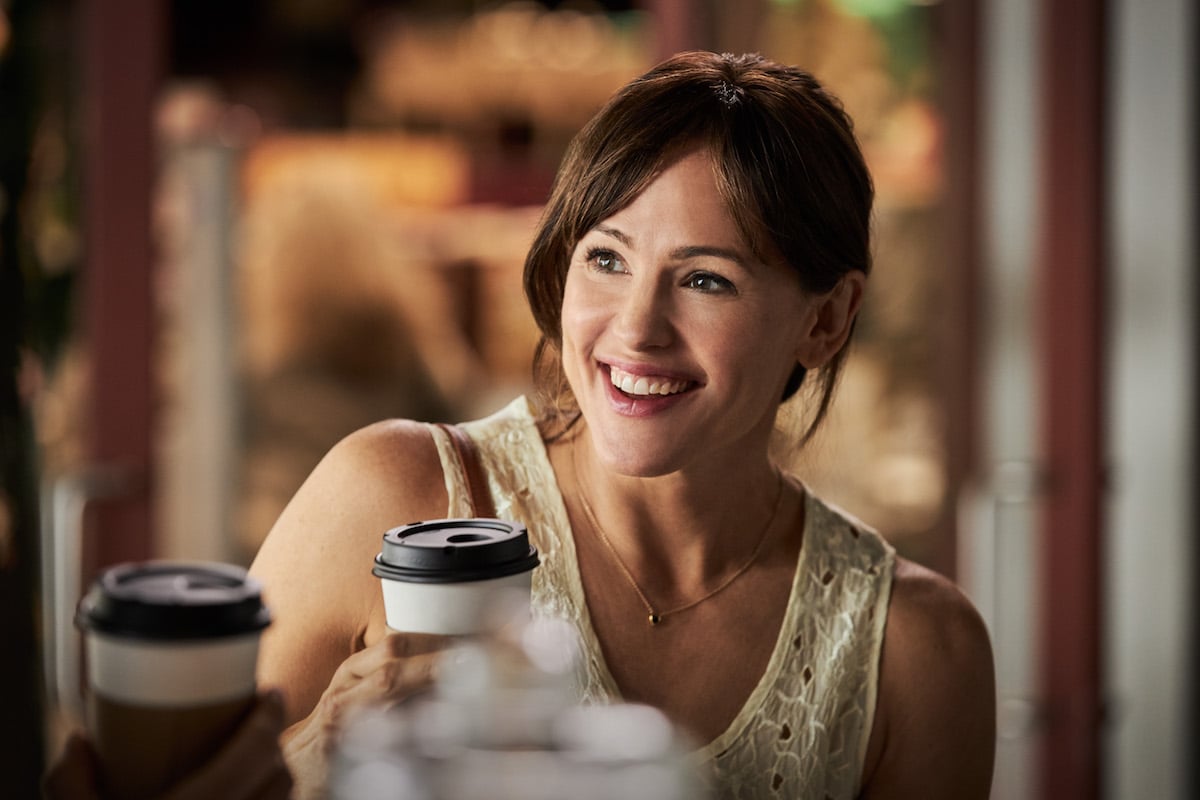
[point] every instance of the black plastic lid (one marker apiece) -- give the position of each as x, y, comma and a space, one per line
172, 601
455, 551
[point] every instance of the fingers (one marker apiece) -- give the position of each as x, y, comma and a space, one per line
398, 679
391, 647
73, 775
250, 765
397, 667
390, 682
388, 671
391, 669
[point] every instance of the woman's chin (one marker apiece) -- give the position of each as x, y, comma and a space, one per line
636, 454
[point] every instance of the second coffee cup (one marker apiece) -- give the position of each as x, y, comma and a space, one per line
171, 654
448, 576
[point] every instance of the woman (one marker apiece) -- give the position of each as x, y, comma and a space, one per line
702, 257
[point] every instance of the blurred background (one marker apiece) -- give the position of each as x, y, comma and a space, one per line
231, 233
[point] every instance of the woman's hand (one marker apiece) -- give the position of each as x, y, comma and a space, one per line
394, 668
250, 766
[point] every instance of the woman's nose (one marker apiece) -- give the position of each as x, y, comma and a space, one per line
644, 319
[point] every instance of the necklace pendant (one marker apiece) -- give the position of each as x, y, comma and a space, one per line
654, 618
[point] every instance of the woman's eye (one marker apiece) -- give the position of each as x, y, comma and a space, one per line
605, 261
707, 282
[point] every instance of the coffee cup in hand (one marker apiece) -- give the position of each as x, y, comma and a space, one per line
171, 652
448, 576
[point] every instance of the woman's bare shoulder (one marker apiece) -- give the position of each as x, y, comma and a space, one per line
378, 477
315, 564
934, 732
933, 610
390, 464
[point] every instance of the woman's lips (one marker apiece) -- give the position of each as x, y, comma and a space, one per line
647, 394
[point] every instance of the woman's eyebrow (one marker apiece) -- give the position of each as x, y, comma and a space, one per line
615, 233
683, 253
710, 251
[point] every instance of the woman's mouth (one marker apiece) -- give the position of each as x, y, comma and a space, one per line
645, 385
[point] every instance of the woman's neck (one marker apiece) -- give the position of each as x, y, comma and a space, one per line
685, 529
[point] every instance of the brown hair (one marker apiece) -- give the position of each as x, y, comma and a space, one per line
787, 163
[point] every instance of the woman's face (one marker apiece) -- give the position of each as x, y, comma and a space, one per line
676, 341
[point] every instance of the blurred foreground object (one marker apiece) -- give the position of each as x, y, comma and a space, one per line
502, 723
171, 650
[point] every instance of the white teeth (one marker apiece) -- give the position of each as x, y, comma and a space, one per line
642, 386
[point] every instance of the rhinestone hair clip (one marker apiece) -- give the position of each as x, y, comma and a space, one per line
728, 93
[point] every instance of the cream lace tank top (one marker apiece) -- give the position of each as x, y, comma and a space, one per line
803, 731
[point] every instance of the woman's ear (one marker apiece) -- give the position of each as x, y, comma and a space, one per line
830, 318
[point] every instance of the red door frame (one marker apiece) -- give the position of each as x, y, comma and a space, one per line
1071, 286
957, 37
1071, 268
123, 45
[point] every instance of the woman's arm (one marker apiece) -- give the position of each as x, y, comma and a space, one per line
934, 734
315, 564
327, 648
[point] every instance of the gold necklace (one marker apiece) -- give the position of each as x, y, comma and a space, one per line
655, 617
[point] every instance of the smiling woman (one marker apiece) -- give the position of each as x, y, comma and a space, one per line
702, 257
670, 324
786, 166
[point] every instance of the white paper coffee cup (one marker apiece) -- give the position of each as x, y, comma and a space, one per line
449, 576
